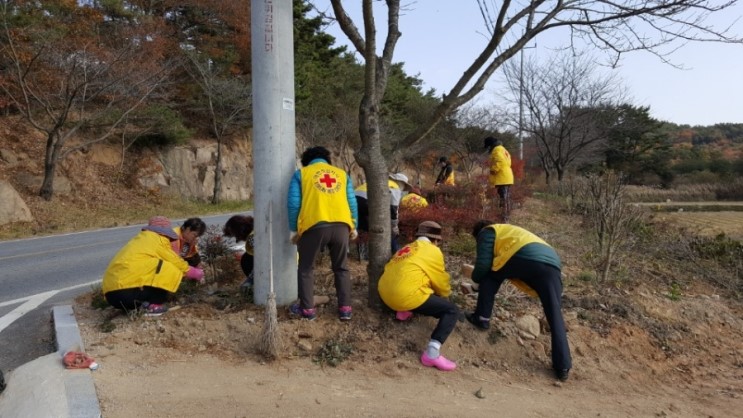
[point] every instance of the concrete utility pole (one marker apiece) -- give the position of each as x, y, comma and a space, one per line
274, 146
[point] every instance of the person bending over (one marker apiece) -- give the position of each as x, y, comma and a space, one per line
509, 252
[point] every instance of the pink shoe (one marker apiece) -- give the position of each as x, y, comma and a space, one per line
403, 315
440, 362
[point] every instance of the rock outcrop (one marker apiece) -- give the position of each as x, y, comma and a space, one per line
12, 206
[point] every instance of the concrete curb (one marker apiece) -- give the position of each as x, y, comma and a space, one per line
44, 388
82, 400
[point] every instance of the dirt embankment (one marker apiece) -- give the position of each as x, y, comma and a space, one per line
638, 350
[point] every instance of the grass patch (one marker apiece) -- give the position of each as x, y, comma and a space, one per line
64, 214
97, 300
333, 353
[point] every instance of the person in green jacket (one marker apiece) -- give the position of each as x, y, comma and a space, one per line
508, 252
415, 280
146, 270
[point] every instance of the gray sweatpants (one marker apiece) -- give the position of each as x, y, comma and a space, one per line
335, 236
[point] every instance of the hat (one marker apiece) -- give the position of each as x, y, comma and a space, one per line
401, 178
161, 225
443, 160
429, 229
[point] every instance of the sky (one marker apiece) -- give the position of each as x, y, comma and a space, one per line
440, 38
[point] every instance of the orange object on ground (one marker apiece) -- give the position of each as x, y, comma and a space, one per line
77, 360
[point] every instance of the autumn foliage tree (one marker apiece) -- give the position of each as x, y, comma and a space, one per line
67, 67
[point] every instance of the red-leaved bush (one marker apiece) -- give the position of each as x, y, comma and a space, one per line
458, 208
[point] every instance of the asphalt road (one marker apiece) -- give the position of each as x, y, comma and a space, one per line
39, 273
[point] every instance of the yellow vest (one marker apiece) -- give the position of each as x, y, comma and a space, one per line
324, 196
391, 184
178, 245
508, 240
146, 260
450, 179
414, 273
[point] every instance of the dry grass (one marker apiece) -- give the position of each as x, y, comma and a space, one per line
77, 213
687, 192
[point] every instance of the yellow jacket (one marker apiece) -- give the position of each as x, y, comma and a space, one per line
500, 167
413, 201
414, 273
146, 260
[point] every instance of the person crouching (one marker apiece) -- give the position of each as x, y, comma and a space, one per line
146, 270
415, 279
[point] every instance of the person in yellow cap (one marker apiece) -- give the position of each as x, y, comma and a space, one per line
415, 280
508, 252
146, 270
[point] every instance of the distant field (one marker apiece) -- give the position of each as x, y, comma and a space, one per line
707, 223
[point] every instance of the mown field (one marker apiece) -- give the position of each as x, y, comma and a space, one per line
707, 223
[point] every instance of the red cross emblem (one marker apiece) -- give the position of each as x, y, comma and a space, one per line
328, 181
404, 251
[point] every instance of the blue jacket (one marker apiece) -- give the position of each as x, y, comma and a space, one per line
294, 199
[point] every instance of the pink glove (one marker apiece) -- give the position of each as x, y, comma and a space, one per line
195, 273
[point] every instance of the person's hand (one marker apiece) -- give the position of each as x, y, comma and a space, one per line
353, 235
294, 237
395, 227
195, 273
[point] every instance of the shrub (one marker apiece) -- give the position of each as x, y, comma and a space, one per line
457, 208
216, 254
726, 252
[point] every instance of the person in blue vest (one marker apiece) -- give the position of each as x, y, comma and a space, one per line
322, 212
508, 252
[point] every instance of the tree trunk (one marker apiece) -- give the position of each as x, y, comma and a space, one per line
370, 158
53, 145
560, 174
607, 264
217, 195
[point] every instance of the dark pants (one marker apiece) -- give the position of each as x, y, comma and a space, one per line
335, 236
504, 194
246, 264
363, 207
131, 299
546, 281
445, 311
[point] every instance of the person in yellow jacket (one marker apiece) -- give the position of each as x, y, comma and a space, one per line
415, 280
146, 270
188, 236
501, 175
413, 200
508, 252
322, 212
